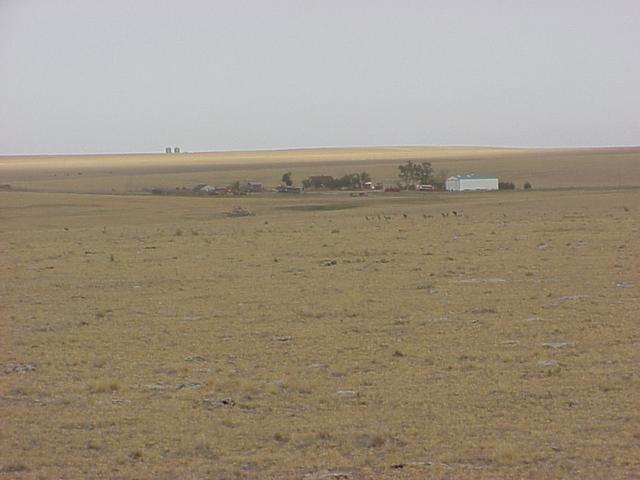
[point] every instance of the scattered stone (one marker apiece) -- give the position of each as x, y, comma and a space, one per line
411, 464
189, 386
158, 386
347, 393
565, 298
328, 475
15, 468
555, 344
19, 368
483, 310
240, 212
329, 263
624, 285
120, 401
195, 359
548, 363
218, 402
282, 338
334, 476
366, 440
479, 280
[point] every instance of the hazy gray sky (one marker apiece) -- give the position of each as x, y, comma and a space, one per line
81, 76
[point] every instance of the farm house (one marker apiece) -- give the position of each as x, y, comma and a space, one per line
470, 182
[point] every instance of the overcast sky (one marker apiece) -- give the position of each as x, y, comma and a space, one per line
93, 76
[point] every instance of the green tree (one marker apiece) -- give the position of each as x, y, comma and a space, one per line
286, 179
440, 178
406, 173
425, 173
355, 182
410, 173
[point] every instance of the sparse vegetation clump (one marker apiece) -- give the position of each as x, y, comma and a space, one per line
104, 386
506, 186
527, 186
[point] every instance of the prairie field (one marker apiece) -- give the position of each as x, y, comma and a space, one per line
403, 336
544, 168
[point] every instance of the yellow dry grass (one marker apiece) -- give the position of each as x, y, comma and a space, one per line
544, 168
253, 158
372, 337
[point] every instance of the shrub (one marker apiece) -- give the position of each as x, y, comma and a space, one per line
527, 186
506, 186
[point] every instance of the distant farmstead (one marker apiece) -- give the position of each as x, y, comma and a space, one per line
471, 182
321, 181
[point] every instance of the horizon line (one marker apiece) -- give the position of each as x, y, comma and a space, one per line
335, 147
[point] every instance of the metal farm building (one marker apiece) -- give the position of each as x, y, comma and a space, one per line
471, 182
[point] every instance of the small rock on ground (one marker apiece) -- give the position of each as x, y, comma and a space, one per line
555, 344
189, 386
195, 359
282, 338
19, 368
548, 363
218, 402
347, 393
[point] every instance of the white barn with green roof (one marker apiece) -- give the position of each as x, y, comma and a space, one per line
471, 182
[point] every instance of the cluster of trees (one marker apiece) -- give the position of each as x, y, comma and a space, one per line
286, 179
512, 186
349, 181
421, 174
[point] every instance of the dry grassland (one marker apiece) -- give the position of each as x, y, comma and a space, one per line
324, 337
546, 168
